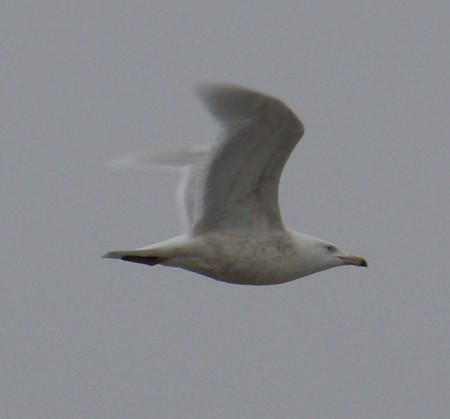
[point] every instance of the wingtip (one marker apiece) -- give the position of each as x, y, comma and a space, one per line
207, 89
230, 102
112, 255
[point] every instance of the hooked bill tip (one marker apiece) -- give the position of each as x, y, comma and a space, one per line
354, 260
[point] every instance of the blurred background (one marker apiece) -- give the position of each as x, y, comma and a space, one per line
83, 337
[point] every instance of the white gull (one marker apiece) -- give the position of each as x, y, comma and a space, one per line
229, 194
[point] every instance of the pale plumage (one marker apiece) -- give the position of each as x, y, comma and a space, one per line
229, 194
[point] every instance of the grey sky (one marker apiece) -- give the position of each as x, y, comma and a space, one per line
83, 337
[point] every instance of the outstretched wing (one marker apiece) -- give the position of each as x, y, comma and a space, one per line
186, 161
236, 185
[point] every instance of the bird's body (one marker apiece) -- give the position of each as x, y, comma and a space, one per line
230, 199
280, 257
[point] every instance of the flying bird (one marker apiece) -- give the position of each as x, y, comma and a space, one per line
229, 198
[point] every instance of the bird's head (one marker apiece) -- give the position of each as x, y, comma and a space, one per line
338, 257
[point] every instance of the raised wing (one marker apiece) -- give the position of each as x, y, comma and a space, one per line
237, 183
186, 161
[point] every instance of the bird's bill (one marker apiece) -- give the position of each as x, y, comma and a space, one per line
353, 260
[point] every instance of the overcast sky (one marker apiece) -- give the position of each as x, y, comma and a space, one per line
85, 337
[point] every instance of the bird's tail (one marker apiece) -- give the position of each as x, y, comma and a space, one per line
145, 256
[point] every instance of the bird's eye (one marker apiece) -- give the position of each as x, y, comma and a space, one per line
330, 247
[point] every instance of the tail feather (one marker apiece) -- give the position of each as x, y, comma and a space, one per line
146, 260
136, 256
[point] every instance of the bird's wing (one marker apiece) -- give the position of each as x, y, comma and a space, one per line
187, 161
236, 184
